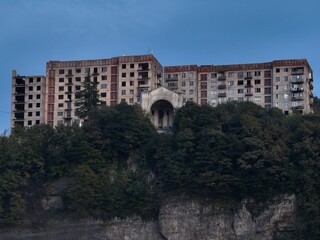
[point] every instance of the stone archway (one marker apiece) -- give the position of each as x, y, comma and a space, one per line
162, 113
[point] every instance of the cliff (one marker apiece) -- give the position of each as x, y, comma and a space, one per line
179, 218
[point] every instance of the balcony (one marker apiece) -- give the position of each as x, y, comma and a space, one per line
297, 71
298, 107
296, 90
141, 69
248, 86
143, 77
297, 99
248, 94
248, 77
222, 77
222, 94
297, 80
222, 86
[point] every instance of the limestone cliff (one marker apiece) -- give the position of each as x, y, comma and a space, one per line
179, 218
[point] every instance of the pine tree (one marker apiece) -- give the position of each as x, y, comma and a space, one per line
87, 98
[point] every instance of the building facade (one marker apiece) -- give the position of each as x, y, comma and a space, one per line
285, 84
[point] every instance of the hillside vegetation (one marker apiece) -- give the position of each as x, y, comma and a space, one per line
120, 166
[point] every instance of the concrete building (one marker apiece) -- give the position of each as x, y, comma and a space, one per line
27, 100
285, 84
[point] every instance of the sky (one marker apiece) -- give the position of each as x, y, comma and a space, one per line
177, 32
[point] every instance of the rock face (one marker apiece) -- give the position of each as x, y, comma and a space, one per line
180, 218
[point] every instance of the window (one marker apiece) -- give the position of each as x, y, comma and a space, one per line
285, 87
60, 96
78, 70
131, 91
190, 92
231, 91
132, 65
277, 96
78, 79
183, 84
213, 75
212, 84
123, 92
30, 80
30, 88
203, 94
131, 74
29, 123
38, 96
257, 73
213, 92
286, 69
37, 122
37, 114
29, 114
78, 87
191, 83
240, 90
123, 75
285, 95
103, 94
61, 79
87, 70
131, 100
104, 77
184, 75
183, 91
103, 86
61, 71
257, 81
240, 74
267, 82
60, 122
277, 79
257, 99
37, 105
60, 105
240, 82
203, 77
267, 90
267, 99
277, 70
231, 83
257, 90
285, 78
123, 84
38, 88
131, 83
124, 66
240, 99
30, 97
38, 79
277, 87
60, 114
230, 74
30, 105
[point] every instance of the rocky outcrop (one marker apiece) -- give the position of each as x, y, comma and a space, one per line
180, 218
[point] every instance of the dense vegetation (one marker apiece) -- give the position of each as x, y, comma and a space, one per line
120, 166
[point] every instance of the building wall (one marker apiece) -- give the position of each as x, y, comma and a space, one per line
286, 84
27, 100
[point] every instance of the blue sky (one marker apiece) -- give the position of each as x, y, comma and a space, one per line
177, 32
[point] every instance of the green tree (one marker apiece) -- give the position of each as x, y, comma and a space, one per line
87, 98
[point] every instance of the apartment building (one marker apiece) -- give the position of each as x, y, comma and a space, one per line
118, 79
285, 84
27, 100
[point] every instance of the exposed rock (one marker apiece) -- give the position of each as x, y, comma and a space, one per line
179, 218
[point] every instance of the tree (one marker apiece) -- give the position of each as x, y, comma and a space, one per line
87, 98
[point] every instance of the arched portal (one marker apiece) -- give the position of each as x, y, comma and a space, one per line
162, 114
